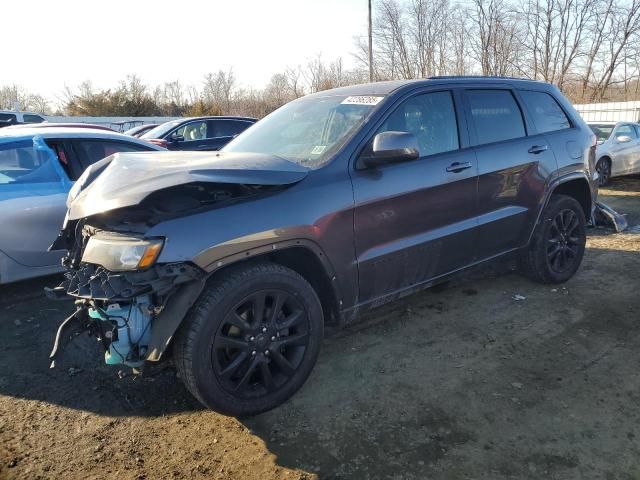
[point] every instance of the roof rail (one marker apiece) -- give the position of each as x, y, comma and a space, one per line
475, 77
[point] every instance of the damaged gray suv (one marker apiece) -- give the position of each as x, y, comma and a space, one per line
232, 263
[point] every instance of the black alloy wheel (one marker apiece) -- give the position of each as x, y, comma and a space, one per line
260, 343
564, 242
251, 340
557, 245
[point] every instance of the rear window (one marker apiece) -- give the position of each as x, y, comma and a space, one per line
90, 151
227, 128
547, 114
496, 115
603, 132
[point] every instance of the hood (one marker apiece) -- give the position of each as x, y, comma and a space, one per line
125, 179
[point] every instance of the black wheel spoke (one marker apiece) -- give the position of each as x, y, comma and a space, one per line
267, 377
276, 308
283, 364
223, 341
294, 340
235, 364
292, 320
238, 322
247, 375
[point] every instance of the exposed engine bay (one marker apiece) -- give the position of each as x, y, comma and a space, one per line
121, 308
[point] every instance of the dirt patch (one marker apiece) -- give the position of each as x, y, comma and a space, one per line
463, 382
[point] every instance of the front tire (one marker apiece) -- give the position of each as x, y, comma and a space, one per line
251, 340
557, 247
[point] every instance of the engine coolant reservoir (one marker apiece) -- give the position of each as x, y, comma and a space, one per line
130, 337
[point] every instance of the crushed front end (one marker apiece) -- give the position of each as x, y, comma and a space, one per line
121, 294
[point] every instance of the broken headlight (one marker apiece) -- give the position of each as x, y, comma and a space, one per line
119, 253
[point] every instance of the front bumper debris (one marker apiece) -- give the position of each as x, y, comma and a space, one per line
125, 310
603, 215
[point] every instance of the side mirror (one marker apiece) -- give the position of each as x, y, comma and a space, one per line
392, 147
176, 138
623, 138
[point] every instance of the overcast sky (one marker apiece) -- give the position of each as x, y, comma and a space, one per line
50, 43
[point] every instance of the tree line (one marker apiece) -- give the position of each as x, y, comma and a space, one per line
589, 48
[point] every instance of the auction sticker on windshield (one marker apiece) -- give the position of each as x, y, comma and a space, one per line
361, 100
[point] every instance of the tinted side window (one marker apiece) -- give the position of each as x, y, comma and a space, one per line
7, 119
496, 115
32, 118
637, 129
227, 128
546, 113
627, 130
431, 117
193, 131
90, 151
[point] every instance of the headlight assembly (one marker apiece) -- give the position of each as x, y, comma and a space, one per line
119, 253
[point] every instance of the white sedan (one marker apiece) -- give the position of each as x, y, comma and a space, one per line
618, 149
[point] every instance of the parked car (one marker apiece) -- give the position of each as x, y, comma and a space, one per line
618, 150
199, 133
336, 203
37, 168
140, 130
10, 117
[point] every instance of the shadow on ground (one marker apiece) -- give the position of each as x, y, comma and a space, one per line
494, 377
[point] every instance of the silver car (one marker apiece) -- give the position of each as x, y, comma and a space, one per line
37, 168
618, 149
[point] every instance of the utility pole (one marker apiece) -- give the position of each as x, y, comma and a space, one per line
370, 46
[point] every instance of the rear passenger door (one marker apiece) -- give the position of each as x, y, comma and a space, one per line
514, 162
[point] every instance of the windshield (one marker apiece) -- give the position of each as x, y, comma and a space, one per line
161, 130
602, 131
306, 131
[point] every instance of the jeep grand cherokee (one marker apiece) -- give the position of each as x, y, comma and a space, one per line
232, 263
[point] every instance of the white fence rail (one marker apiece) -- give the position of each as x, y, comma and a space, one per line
119, 124
610, 112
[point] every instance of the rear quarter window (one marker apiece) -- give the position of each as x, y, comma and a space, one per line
547, 114
495, 115
32, 118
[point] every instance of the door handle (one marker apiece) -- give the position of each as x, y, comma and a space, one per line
536, 149
456, 167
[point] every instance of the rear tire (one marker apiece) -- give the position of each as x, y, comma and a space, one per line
557, 246
251, 340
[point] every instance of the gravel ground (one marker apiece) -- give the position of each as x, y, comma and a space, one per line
463, 382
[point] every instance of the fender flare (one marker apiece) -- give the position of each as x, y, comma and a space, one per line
185, 296
551, 187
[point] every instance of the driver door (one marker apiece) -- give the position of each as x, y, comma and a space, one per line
415, 221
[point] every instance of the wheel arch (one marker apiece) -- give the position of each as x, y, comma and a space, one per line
303, 257
578, 188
